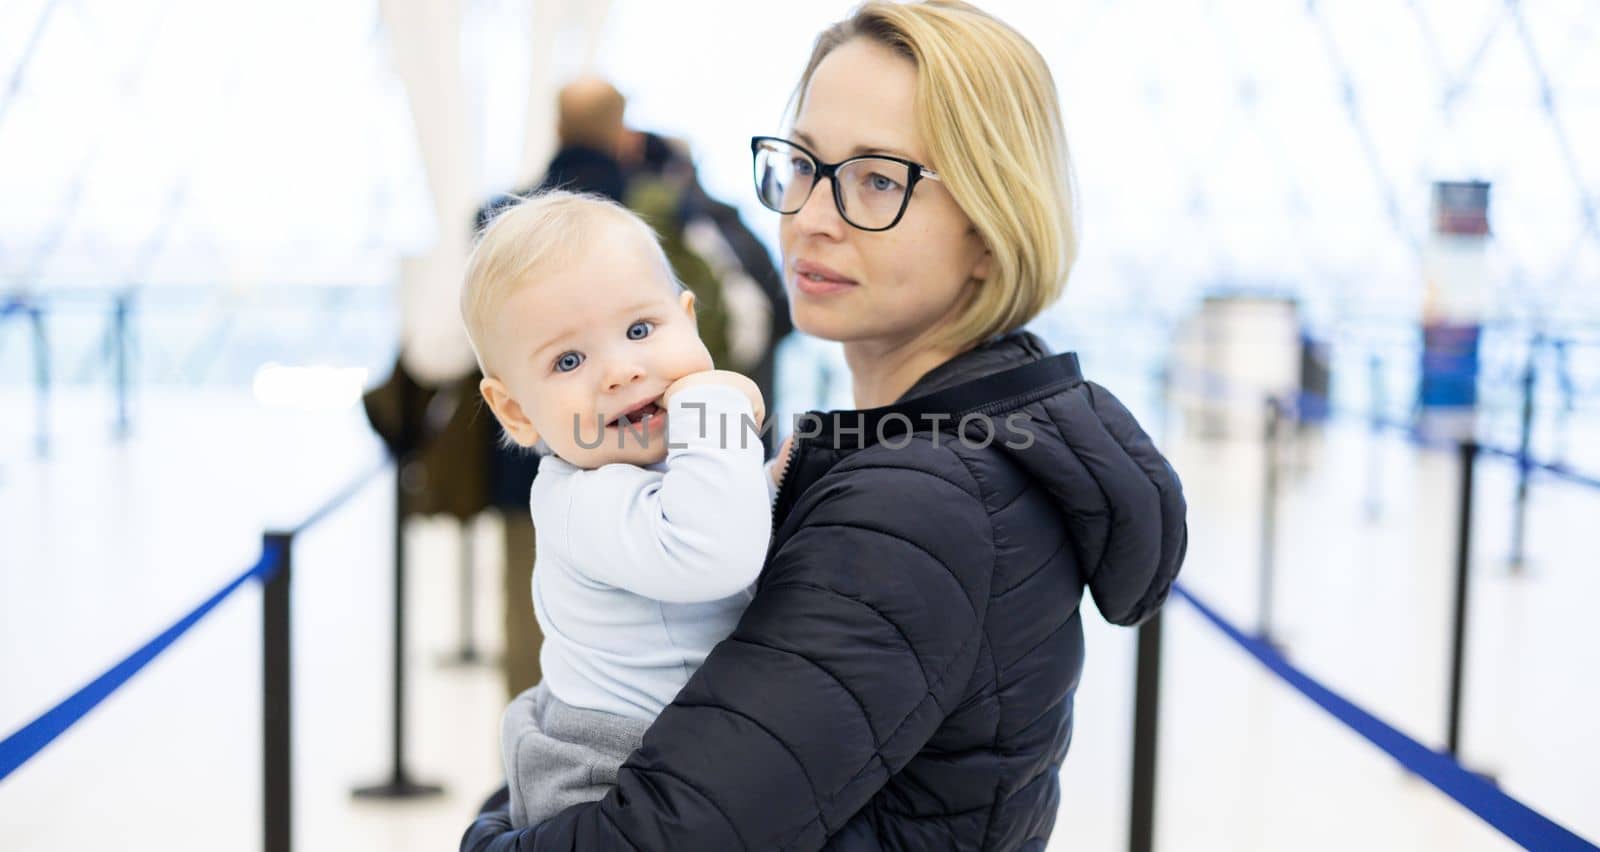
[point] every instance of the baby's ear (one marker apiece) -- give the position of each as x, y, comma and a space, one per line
509, 412
686, 300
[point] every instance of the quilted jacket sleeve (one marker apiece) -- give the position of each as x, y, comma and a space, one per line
862, 635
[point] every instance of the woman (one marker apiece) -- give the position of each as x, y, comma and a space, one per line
903, 678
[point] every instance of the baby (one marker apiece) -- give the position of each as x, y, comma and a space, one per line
652, 506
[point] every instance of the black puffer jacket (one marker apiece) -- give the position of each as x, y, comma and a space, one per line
904, 677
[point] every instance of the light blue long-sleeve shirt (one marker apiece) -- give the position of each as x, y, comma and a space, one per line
641, 570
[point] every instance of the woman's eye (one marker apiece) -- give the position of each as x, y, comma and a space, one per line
881, 183
801, 166
568, 361
640, 330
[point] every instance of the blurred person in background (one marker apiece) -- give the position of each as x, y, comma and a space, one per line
904, 676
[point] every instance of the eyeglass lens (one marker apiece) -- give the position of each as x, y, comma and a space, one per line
871, 190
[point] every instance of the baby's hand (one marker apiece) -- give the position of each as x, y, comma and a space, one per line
721, 377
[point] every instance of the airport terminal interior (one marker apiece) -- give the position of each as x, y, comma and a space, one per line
1342, 261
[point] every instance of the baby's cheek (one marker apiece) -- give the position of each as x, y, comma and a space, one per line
700, 356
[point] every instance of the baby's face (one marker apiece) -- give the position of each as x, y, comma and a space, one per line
589, 343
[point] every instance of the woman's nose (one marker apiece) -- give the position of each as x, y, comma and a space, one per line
819, 215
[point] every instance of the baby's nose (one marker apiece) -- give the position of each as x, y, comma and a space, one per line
625, 374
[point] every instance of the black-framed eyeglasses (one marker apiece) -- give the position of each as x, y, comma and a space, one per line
871, 192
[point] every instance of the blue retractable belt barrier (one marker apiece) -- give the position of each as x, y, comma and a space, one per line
16, 749
1559, 471
1505, 814
1217, 388
21, 746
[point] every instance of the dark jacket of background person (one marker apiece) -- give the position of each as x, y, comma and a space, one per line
576, 168
904, 677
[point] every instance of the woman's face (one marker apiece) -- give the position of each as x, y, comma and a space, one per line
886, 287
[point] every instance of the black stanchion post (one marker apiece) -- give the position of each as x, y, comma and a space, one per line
398, 730
276, 654
1146, 710
1568, 391
1519, 517
399, 785
41, 378
1469, 455
1269, 514
467, 651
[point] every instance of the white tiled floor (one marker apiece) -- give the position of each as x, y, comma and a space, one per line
102, 546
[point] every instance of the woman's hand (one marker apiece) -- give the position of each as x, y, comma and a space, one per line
721, 377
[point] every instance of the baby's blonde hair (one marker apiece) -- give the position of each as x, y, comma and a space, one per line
987, 107
530, 239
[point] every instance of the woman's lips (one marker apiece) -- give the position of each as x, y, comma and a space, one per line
814, 279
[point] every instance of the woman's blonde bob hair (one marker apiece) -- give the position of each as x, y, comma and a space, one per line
987, 109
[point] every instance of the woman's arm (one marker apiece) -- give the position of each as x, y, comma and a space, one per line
860, 640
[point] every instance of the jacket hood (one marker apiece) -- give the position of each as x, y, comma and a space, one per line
1121, 500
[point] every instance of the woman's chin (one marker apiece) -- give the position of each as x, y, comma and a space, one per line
825, 323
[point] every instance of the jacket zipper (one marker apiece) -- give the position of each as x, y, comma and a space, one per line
788, 465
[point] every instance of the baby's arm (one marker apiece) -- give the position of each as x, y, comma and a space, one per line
697, 533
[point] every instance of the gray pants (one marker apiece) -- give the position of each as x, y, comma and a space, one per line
557, 755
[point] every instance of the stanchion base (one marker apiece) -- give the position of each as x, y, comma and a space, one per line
399, 787
1275, 641
467, 658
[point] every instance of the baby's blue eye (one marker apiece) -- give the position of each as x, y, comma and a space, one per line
568, 361
640, 330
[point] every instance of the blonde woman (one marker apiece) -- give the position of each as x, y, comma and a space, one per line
904, 676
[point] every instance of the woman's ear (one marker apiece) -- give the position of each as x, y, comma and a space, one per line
509, 412
984, 267
686, 300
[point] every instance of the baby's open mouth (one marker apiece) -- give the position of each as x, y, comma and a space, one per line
637, 414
